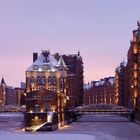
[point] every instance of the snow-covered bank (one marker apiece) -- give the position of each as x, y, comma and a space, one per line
10, 114
16, 136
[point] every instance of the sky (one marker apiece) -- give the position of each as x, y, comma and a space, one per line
100, 29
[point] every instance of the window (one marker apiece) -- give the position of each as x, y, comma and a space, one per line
52, 80
49, 80
32, 80
38, 80
135, 50
43, 80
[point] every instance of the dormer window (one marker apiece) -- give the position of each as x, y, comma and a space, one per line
45, 67
35, 67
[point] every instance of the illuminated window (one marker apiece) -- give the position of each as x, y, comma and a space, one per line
135, 50
135, 74
135, 94
135, 82
135, 66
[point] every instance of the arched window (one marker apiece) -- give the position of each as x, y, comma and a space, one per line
43, 80
54, 80
49, 80
38, 80
32, 80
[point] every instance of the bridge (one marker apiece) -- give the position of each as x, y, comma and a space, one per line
101, 109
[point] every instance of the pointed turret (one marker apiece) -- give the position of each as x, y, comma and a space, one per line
3, 91
2, 81
78, 53
61, 62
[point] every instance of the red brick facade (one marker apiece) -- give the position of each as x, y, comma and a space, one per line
100, 92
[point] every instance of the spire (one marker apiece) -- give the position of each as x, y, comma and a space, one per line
2, 81
138, 23
78, 53
61, 62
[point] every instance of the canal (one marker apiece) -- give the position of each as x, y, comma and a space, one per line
88, 127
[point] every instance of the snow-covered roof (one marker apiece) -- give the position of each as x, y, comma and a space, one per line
46, 62
111, 81
99, 83
87, 86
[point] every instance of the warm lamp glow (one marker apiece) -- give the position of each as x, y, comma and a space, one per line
135, 83
135, 94
135, 74
135, 66
49, 118
135, 50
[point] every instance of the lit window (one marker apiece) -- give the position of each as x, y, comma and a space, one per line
135, 74
135, 94
135, 82
135, 66
135, 50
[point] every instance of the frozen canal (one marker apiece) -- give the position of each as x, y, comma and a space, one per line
91, 127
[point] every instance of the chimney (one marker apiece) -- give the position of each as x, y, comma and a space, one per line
35, 56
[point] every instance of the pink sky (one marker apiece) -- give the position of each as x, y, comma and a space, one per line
100, 30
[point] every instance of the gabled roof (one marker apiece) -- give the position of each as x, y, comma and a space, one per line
44, 63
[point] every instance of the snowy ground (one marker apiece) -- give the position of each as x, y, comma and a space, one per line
91, 127
13, 136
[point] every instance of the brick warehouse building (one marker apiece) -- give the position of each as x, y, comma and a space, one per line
133, 68
100, 92
75, 78
9, 95
59, 74
128, 87
121, 88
